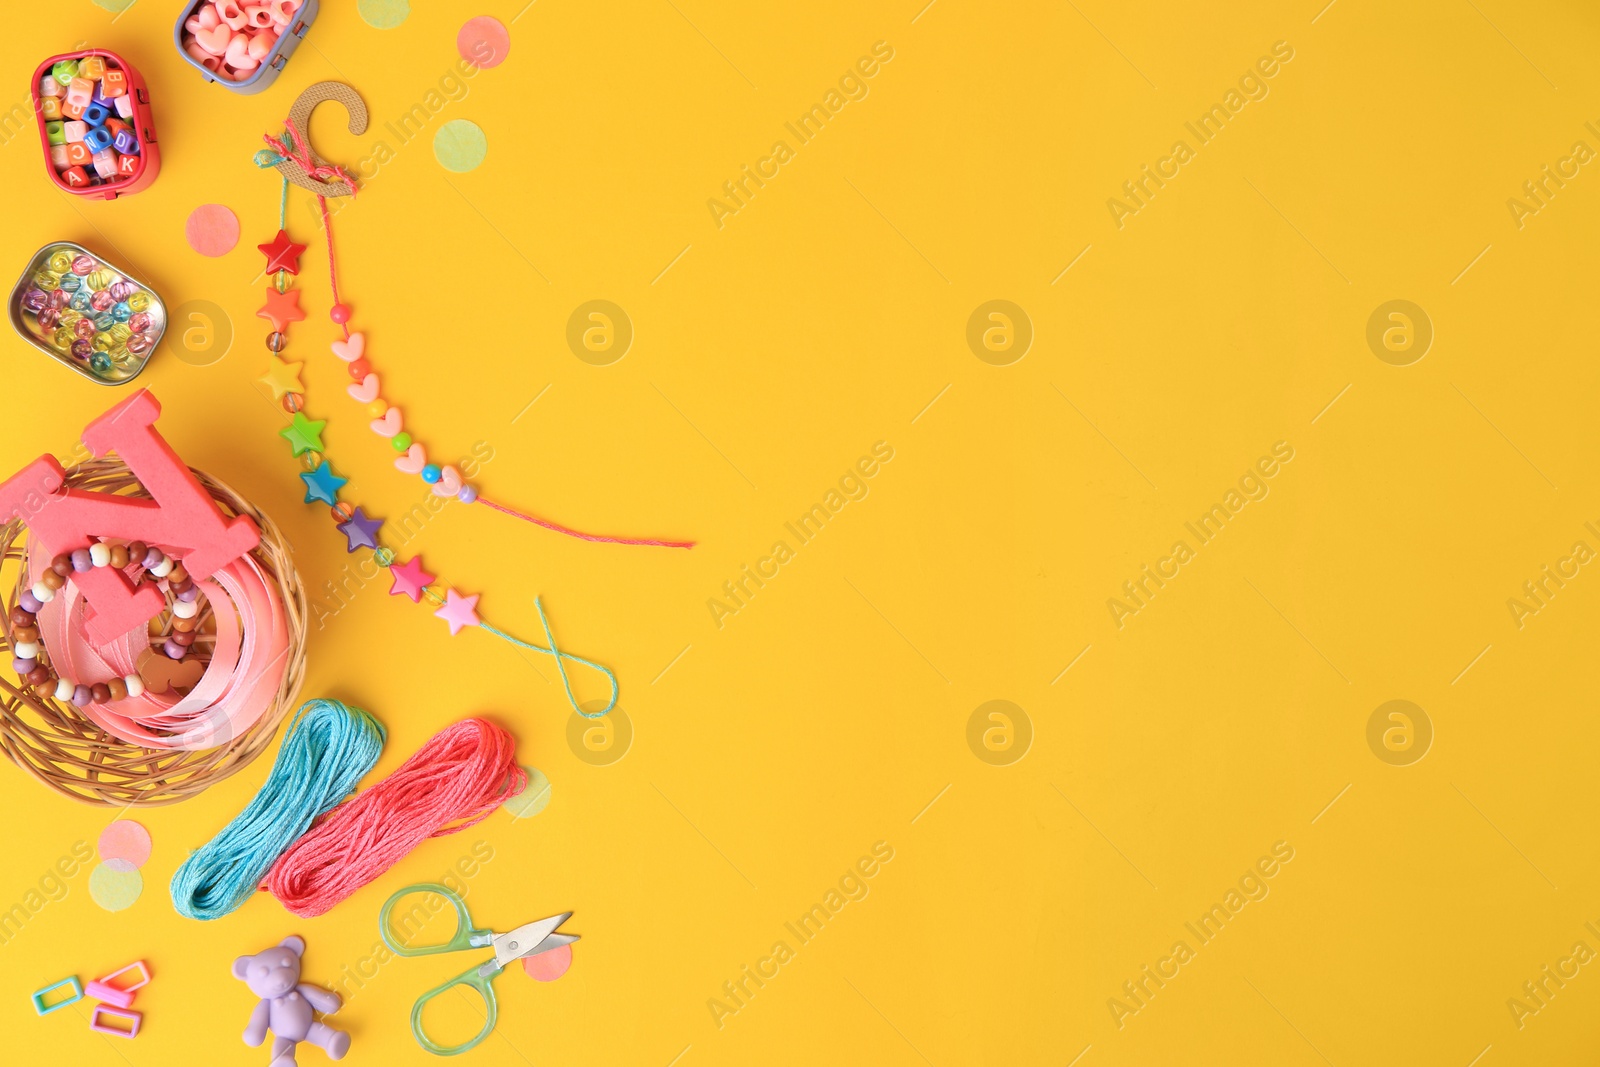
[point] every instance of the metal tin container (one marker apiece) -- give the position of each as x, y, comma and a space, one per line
271, 65
125, 354
143, 127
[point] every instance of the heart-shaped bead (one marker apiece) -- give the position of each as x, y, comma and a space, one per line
231, 13
214, 40
413, 461
350, 350
238, 54
207, 16
449, 483
366, 392
387, 426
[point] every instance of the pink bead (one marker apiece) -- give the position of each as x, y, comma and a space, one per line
174, 650
257, 17
339, 313
214, 41
261, 45
232, 14
282, 11
238, 55
208, 16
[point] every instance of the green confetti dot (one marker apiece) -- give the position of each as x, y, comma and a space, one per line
460, 145
384, 14
114, 889
532, 800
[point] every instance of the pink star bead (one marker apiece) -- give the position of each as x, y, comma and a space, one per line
458, 611
409, 579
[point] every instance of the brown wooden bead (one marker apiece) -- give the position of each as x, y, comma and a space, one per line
183, 637
19, 617
178, 575
180, 587
62, 565
118, 688
40, 677
100, 693
52, 580
183, 626
136, 552
25, 633
119, 556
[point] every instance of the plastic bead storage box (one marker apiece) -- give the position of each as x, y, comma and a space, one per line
93, 113
243, 44
91, 315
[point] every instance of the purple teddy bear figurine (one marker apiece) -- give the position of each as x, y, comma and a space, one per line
287, 1003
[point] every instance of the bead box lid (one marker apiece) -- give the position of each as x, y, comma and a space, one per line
122, 363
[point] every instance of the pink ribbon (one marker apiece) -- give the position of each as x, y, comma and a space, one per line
323, 172
239, 683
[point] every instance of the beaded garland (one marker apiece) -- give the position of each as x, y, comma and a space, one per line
29, 651
304, 435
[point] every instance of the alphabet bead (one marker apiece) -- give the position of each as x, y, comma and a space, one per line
80, 91
50, 107
97, 139
95, 115
78, 154
114, 84
55, 133
71, 110
74, 131
123, 106
126, 143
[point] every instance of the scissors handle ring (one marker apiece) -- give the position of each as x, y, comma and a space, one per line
466, 936
477, 980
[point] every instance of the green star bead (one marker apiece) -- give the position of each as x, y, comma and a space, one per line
303, 434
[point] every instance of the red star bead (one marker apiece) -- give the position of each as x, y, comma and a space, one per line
282, 254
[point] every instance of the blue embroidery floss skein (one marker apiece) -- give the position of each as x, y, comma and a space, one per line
327, 750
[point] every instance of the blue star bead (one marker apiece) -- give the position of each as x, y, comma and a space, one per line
322, 484
361, 531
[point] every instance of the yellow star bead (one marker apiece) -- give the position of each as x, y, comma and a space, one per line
282, 377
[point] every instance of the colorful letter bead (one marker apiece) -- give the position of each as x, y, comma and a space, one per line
48, 86
65, 71
71, 110
128, 165
116, 125
126, 142
97, 139
75, 177
123, 105
78, 154
45, 1009
55, 132
114, 84
105, 165
58, 157
74, 131
50, 108
80, 91
93, 68
96, 115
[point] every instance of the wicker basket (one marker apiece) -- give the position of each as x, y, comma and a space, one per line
66, 751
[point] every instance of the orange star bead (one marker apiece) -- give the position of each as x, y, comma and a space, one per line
282, 308
282, 254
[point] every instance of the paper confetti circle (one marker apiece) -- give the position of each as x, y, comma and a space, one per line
484, 41
548, 966
384, 14
460, 145
114, 890
533, 799
212, 230
127, 841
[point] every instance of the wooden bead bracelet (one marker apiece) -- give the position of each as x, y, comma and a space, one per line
28, 647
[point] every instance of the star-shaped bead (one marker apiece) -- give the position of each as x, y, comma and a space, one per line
322, 484
303, 434
282, 308
282, 377
459, 611
410, 579
282, 254
361, 531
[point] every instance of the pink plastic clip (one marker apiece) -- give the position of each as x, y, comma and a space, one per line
132, 1018
107, 990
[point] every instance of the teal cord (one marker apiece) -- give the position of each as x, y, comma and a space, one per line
559, 656
326, 751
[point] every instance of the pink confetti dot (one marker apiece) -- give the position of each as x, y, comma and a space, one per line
127, 841
212, 230
484, 41
548, 966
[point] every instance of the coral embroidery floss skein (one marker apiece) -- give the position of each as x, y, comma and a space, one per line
456, 780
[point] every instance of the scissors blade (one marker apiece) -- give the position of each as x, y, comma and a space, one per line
530, 939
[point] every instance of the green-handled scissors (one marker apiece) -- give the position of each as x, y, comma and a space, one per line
528, 940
